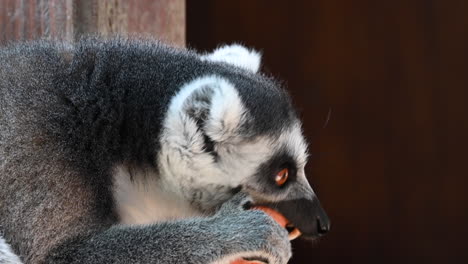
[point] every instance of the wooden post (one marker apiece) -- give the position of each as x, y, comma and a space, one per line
70, 19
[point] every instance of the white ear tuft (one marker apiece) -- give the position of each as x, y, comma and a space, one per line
236, 55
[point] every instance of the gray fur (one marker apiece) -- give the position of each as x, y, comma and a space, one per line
71, 114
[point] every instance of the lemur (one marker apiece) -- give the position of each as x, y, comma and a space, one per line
131, 151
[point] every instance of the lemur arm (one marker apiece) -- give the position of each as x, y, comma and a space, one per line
231, 234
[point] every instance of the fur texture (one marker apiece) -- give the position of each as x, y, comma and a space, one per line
130, 151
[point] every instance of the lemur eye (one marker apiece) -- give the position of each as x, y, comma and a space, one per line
282, 177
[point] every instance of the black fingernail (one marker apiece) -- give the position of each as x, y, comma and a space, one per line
236, 190
247, 205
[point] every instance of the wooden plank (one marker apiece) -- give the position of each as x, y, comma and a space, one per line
70, 19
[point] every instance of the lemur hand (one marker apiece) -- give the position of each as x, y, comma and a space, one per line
254, 236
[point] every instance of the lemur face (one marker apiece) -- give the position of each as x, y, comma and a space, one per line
219, 138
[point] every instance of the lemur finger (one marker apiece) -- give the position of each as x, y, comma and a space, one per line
239, 202
243, 261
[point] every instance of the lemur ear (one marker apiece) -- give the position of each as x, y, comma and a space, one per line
236, 55
226, 114
210, 105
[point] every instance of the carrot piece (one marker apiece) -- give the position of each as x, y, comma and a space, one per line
279, 218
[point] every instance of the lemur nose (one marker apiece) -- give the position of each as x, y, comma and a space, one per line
323, 225
307, 215
323, 222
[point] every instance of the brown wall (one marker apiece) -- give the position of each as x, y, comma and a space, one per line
390, 165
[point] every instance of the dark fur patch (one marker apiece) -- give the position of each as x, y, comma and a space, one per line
267, 172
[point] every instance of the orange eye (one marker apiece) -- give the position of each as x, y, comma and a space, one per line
282, 177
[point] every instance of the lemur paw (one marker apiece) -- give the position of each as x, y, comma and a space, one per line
254, 237
243, 261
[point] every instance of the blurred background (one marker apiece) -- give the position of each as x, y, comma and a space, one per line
380, 85
382, 88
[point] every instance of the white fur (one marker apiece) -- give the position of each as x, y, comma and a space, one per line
236, 55
143, 201
6, 255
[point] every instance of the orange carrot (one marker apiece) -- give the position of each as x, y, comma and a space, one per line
279, 218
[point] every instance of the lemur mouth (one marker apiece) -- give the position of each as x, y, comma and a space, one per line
293, 231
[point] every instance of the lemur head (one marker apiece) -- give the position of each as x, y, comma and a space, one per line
225, 132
